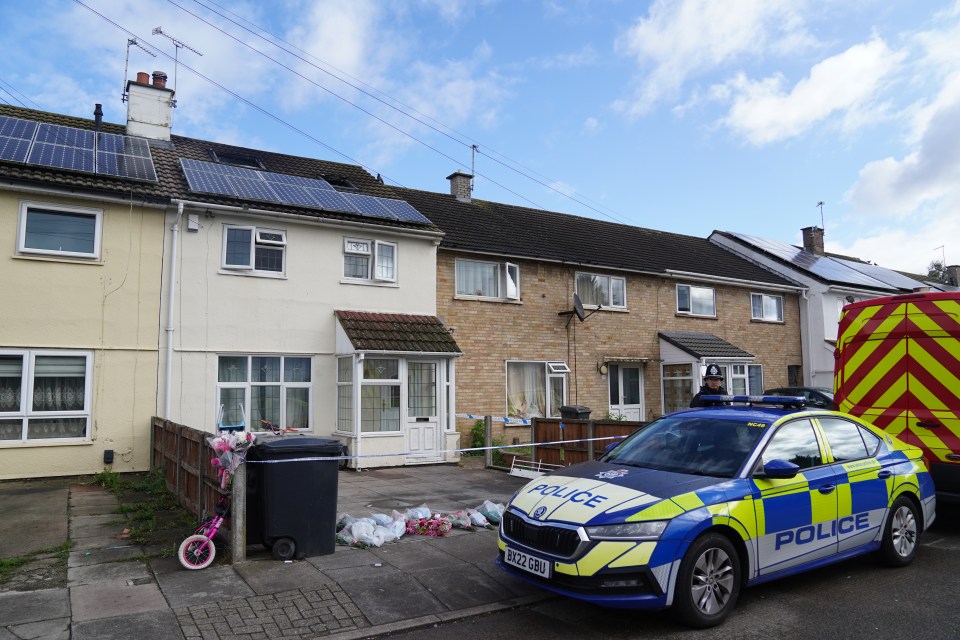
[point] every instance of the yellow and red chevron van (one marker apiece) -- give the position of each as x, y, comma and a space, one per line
898, 367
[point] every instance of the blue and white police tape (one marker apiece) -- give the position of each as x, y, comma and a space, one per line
420, 454
503, 419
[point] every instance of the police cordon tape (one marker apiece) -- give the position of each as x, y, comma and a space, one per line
432, 453
503, 419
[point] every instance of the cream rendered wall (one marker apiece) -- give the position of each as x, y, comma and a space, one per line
220, 312
110, 307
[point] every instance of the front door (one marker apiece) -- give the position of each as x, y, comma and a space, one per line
423, 424
626, 391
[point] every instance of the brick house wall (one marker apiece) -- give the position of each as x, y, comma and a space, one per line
492, 332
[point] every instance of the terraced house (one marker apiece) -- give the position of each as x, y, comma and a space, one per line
657, 307
153, 274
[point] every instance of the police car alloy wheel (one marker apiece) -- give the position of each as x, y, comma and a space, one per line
900, 536
709, 582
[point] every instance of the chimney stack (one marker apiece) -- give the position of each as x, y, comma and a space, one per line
149, 107
461, 186
813, 240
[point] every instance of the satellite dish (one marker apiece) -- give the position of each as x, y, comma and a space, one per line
578, 307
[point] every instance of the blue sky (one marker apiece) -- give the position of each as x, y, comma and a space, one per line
684, 115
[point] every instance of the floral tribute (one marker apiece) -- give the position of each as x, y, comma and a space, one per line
435, 526
231, 449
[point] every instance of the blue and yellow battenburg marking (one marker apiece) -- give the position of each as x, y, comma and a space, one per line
782, 523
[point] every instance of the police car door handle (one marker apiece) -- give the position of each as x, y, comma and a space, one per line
928, 425
827, 488
883, 475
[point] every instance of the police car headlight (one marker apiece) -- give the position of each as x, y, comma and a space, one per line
650, 530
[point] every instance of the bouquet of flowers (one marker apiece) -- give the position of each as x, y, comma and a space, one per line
230, 449
435, 526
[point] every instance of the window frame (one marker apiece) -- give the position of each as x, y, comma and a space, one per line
26, 412
373, 254
392, 383
506, 272
26, 206
248, 384
256, 240
609, 289
690, 312
552, 375
732, 374
763, 297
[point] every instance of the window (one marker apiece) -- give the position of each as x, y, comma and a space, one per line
601, 291
677, 386
488, 279
746, 379
766, 307
44, 395
371, 260
254, 250
696, 301
847, 440
380, 395
57, 230
536, 389
794, 442
272, 388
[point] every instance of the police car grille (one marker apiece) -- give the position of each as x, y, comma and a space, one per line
556, 541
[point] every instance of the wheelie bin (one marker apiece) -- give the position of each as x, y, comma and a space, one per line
292, 503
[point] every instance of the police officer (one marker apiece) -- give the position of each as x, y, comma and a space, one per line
712, 386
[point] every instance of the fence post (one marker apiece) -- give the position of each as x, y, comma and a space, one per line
533, 439
488, 440
590, 434
238, 515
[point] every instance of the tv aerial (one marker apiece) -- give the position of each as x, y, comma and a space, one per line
177, 44
131, 42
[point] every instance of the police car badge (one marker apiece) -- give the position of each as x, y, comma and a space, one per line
615, 473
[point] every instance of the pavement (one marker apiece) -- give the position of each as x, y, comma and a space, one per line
118, 589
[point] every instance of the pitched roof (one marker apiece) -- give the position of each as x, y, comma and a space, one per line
172, 183
703, 345
521, 232
827, 268
396, 332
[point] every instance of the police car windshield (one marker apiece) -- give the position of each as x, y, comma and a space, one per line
690, 444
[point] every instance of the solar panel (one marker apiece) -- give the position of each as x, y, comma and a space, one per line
250, 184
61, 147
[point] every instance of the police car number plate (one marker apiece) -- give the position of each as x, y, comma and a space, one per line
527, 562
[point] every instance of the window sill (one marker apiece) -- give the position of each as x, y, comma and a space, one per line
762, 321
66, 259
487, 299
30, 444
253, 274
591, 307
370, 283
680, 314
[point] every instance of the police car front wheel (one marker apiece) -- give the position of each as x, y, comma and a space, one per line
901, 535
708, 583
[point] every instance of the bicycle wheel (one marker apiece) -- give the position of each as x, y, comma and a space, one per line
196, 552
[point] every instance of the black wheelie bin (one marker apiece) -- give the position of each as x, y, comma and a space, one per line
292, 503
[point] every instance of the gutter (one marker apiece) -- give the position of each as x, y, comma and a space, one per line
674, 273
13, 186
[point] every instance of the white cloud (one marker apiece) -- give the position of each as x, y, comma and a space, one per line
763, 112
591, 125
586, 56
680, 40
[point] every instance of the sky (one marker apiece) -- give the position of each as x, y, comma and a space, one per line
753, 116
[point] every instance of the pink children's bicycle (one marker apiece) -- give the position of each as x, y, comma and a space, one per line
198, 550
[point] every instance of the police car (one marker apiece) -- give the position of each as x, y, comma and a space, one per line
701, 502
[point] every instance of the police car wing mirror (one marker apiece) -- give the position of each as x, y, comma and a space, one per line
780, 470
609, 447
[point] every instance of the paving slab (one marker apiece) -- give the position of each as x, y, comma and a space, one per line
270, 576
34, 516
84, 557
345, 557
461, 586
153, 625
386, 594
213, 584
112, 572
18, 607
418, 554
94, 601
55, 629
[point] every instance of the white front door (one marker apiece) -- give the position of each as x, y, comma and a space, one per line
626, 391
423, 424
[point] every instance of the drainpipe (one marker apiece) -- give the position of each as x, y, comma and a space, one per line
171, 297
358, 382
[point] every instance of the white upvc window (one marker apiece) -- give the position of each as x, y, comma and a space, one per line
45, 395
370, 260
746, 379
380, 395
766, 307
601, 291
59, 230
254, 250
500, 280
274, 388
696, 301
536, 389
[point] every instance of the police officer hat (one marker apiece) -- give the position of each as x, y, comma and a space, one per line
713, 371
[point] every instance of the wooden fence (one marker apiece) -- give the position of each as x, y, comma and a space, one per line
555, 430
